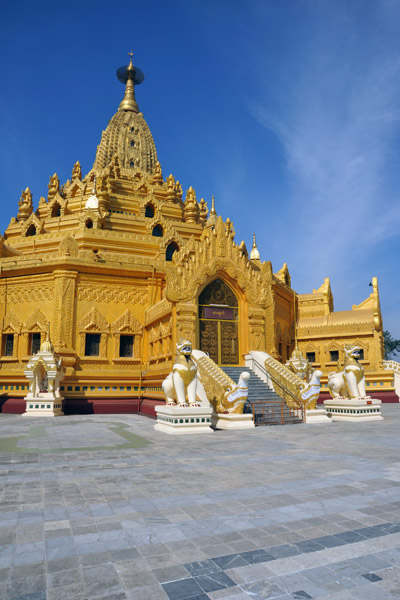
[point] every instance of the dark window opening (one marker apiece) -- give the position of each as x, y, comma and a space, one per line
157, 231
287, 352
9, 345
126, 345
56, 210
149, 212
132, 129
92, 344
89, 224
310, 357
132, 163
132, 144
171, 249
334, 354
31, 230
361, 355
280, 349
35, 343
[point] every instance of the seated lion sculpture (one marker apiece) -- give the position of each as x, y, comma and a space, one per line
180, 385
349, 383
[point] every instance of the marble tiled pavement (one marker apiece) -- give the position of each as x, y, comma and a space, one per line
104, 507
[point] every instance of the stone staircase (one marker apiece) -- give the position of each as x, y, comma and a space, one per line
258, 390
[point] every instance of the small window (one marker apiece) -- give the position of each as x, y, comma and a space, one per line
280, 349
132, 164
35, 343
310, 357
132, 144
9, 345
126, 345
92, 344
56, 210
334, 355
157, 231
170, 251
361, 355
89, 224
132, 129
149, 212
31, 230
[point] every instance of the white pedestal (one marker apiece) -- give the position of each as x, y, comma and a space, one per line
354, 409
43, 405
317, 415
233, 421
183, 419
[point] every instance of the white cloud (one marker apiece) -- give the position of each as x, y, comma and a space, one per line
336, 114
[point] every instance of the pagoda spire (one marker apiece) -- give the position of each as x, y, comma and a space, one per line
131, 76
254, 254
212, 217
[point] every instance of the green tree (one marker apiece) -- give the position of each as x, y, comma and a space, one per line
392, 346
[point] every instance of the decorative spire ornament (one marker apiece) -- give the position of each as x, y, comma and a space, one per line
130, 76
254, 254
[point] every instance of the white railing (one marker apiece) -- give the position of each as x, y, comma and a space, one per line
393, 365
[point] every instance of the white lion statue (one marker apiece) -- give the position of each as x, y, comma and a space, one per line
349, 383
309, 392
180, 385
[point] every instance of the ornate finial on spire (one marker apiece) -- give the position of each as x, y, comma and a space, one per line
47, 346
77, 171
212, 217
131, 76
254, 254
213, 211
93, 201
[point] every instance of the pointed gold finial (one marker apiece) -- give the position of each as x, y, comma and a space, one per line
94, 188
212, 217
131, 76
47, 346
213, 211
254, 254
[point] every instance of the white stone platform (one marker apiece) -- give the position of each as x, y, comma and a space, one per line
354, 409
232, 421
183, 419
317, 415
44, 405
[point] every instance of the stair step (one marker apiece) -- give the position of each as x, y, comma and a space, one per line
258, 391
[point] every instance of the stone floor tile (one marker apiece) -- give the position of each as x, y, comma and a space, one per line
147, 593
216, 580
168, 574
26, 585
256, 556
182, 589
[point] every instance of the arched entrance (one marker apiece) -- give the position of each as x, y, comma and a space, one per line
218, 320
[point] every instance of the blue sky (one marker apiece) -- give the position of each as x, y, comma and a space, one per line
288, 111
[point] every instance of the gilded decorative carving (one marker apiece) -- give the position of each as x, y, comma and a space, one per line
30, 292
11, 324
68, 247
157, 311
127, 322
94, 321
116, 293
216, 251
64, 308
25, 205
37, 320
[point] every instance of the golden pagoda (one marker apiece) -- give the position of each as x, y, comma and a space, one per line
123, 264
